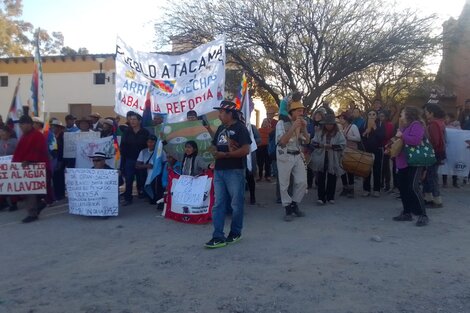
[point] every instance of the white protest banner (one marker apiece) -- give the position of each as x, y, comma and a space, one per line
177, 83
16, 179
189, 190
457, 153
199, 214
92, 192
86, 148
6, 159
70, 141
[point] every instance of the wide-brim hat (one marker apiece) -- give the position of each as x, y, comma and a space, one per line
294, 105
101, 155
107, 121
37, 120
329, 119
57, 123
96, 115
227, 105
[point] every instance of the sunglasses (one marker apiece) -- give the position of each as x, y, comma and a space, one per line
98, 160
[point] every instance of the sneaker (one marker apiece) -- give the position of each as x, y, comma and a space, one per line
29, 219
331, 201
268, 179
365, 194
232, 238
321, 202
215, 243
376, 194
423, 220
403, 217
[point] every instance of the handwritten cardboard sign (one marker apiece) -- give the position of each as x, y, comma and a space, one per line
16, 179
71, 139
189, 190
92, 192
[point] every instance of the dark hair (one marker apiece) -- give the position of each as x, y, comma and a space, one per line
138, 116
435, 109
412, 114
191, 113
334, 131
386, 113
7, 129
193, 144
296, 96
25, 119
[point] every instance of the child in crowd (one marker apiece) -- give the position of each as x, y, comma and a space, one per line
192, 164
144, 164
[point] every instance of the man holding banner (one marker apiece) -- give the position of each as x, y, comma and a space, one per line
32, 149
232, 144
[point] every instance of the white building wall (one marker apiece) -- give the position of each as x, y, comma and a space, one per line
60, 89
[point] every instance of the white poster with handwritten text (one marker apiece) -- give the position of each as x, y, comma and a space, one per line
92, 192
189, 190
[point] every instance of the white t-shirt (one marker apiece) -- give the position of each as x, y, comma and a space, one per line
146, 157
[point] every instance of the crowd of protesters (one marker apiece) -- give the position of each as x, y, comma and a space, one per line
299, 151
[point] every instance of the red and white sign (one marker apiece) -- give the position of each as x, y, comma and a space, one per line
16, 179
200, 214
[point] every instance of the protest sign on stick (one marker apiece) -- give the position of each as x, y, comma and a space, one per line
92, 192
16, 179
71, 139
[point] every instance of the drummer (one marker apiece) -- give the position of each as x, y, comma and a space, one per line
353, 137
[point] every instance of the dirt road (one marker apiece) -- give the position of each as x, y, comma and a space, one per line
347, 257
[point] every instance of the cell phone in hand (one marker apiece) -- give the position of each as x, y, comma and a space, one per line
204, 120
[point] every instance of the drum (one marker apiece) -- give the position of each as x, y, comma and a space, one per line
357, 162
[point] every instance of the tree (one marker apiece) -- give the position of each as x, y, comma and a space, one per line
303, 45
18, 38
393, 83
14, 40
71, 52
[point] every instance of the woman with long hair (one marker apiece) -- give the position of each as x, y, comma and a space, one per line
373, 134
328, 144
412, 132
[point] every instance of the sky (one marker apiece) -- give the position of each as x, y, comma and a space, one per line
94, 24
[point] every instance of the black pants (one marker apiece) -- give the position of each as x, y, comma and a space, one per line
326, 193
376, 171
310, 176
58, 182
454, 179
386, 173
347, 179
411, 197
250, 179
264, 161
394, 174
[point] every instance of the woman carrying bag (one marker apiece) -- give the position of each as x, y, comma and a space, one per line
412, 132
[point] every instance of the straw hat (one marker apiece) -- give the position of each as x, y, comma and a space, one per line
96, 115
294, 105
